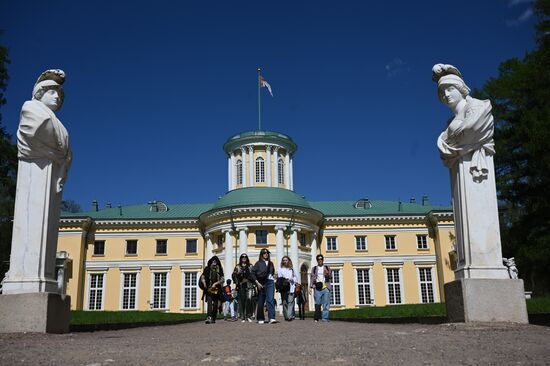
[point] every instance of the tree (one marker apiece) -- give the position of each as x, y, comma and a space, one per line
70, 206
8, 173
521, 107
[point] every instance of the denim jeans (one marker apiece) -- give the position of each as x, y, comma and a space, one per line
228, 307
288, 305
322, 299
266, 295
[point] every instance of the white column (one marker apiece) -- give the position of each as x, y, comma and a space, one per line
233, 171
312, 264
279, 243
229, 173
294, 248
245, 178
291, 173
268, 165
243, 240
287, 170
228, 262
208, 252
251, 160
276, 163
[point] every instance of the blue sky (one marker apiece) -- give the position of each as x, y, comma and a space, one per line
154, 89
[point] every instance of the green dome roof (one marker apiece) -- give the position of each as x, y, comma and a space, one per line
261, 137
261, 196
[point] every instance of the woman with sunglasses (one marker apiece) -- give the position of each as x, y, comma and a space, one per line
211, 283
263, 274
245, 287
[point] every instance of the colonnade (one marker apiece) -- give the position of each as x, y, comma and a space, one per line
248, 167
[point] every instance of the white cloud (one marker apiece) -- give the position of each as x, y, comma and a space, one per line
528, 13
396, 67
516, 2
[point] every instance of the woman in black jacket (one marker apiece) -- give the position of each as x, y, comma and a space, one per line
263, 274
245, 287
211, 281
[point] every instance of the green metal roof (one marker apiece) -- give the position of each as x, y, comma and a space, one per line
347, 208
249, 137
261, 196
176, 211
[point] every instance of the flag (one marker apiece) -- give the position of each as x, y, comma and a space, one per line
265, 84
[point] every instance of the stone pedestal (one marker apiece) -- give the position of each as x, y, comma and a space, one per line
35, 229
486, 300
42, 312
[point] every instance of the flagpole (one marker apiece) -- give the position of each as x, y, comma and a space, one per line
259, 104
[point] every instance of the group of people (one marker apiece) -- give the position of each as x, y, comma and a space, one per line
255, 286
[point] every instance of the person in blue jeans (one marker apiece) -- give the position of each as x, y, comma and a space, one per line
320, 278
263, 274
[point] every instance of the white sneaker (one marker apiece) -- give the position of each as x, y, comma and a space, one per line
243, 321
272, 321
261, 322
249, 320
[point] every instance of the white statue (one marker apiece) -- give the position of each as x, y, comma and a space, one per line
467, 148
510, 263
44, 160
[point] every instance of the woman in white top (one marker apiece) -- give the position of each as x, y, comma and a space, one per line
287, 291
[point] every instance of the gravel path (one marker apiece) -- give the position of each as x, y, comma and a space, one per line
298, 342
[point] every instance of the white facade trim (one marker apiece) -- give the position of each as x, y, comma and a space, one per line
418, 230
155, 234
365, 259
100, 265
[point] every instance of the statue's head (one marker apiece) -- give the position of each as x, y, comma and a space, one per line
451, 88
49, 90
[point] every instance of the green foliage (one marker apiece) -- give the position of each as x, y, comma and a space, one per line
521, 107
115, 317
8, 173
393, 311
539, 305
70, 206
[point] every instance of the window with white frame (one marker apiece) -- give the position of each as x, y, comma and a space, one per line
331, 243
394, 285
129, 290
131, 247
390, 242
239, 171
281, 168
426, 284
360, 243
190, 290
260, 170
191, 246
162, 246
95, 295
261, 237
422, 241
160, 289
336, 288
363, 286
99, 247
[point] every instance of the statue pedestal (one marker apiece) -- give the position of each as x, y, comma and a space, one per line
486, 300
35, 229
42, 312
476, 222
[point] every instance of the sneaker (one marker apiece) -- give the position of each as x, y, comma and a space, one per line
243, 321
249, 320
272, 321
261, 322
208, 320
325, 320
316, 321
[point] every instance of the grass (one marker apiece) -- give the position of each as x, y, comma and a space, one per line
113, 317
393, 311
538, 305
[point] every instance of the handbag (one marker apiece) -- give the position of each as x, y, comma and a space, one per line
213, 290
318, 286
282, 284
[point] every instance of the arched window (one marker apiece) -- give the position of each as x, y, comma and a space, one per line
281, 168
239, 171
260, 171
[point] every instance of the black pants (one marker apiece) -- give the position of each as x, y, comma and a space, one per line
212, 305
301, 309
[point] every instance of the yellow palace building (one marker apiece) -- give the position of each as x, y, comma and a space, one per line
150, 256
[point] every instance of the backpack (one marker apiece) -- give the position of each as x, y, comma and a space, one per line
227, 296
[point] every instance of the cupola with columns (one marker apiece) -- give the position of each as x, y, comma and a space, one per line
260, 159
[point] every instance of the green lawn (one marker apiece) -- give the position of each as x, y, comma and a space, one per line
538, 305
112, 317
393, 311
